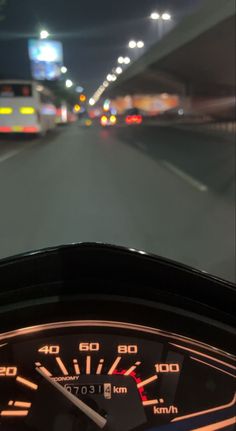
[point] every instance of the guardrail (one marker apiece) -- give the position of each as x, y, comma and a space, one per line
229, 127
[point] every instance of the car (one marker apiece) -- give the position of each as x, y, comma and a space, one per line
108, 120
133, 119
85, 121
133, 116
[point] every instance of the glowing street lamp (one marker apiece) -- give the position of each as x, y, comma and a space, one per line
82, 98
77, 108
166, 16
79, 89
127, 60
44, 34
69, 83
63, 69
120, 60
132, 44
155, 15
119, 70
140, 44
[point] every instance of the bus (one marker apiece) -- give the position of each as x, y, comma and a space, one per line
26, 107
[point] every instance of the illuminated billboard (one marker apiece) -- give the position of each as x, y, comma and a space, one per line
46, 57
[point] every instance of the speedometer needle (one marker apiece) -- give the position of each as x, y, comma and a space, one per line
99, 420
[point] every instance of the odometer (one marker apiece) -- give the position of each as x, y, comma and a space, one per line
91, 375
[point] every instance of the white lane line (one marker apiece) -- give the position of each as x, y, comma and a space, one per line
10, 154
141, 146
13, 153
181, 174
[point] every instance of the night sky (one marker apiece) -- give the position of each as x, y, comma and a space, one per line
94, 33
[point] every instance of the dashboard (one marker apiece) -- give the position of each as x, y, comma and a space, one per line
96, 337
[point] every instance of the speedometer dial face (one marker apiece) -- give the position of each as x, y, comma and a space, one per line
92, 375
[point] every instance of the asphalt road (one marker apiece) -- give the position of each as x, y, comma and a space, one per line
162, 190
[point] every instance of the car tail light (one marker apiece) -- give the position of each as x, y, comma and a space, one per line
134, 119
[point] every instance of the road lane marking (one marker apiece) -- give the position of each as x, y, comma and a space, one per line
181, 174
10, 154
141, 146
13, 153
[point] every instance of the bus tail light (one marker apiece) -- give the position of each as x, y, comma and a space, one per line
5, 129
15, 129
30, 129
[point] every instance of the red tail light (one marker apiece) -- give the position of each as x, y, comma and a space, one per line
134, 119
30, 129
4, 129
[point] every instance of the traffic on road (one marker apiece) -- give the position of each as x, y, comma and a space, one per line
117, 215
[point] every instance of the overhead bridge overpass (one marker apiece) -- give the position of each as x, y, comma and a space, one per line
196, 60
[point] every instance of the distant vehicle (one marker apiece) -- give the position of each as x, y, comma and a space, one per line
133, 116
108, 120
26, 107
85, 121
64, 114
133, 119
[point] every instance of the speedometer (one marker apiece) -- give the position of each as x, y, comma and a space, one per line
91, 375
